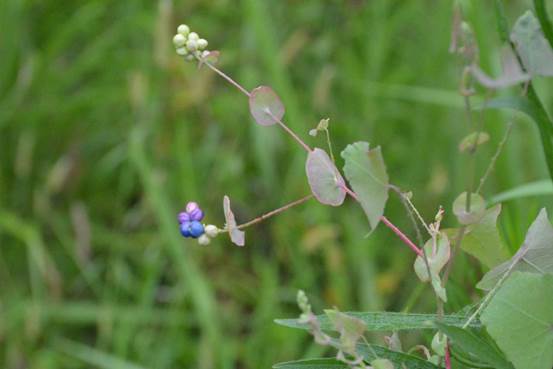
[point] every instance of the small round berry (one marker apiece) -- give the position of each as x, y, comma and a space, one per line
185, 229
202, 43
203, 240
196, 214
191, 206
179, 40
196, 229
183, 217
211, 230
189, 57
191, 45
183, 29
193, 36
182, 51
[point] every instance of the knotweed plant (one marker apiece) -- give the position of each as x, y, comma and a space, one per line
512, 326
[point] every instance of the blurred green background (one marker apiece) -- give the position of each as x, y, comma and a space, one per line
105, 134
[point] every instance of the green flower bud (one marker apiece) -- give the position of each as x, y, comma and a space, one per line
193, 36
183, 29
191, 45
182, 51
202, 43
179, 40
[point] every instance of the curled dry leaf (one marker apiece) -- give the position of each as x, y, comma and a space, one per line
236, 236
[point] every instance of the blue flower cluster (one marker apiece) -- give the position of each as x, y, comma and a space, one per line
189, 221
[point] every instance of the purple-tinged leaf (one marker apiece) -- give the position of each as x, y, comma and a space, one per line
236, 236
512, 73
265, 106
325, 180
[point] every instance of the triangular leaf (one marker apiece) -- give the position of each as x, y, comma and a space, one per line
531, 45
326, 182
482, 240
520, 319
236, 236
535, 255
265, 106
366, 172
437, 255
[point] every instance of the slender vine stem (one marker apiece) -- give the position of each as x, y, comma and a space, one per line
545, 23
275, 212
289, 131
225, 76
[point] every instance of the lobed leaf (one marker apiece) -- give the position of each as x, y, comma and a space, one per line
326, 182
520, 320
236, 236
366, 172
535, 255
482, 240
265, 106
385, 321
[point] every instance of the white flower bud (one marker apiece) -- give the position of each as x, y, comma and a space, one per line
193, 36
182, 51
179, 40
189, 57
211, 230
202, 43
205, 53
183, 29
203, 240
191, 45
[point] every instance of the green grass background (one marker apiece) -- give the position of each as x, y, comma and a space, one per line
105, 134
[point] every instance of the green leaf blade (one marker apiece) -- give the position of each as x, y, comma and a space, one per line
386, 321
520, 319
366, 172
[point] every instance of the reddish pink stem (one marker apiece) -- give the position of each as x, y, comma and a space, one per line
447, 357
403, 237
390, 225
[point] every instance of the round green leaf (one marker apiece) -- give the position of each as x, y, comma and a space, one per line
477, 208
326, 182
265, 106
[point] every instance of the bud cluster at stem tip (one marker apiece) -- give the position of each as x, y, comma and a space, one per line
189, 44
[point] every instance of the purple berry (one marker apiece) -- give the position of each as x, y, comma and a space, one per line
196, 214
196, 229
183, 217
185, 229
191, 206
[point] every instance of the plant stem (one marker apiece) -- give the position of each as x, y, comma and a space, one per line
289, 131
447, 357
225, 76
390, 225
402, 236
275, 212
495, 156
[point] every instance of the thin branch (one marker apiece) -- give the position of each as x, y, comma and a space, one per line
289, 131
495, 157
275, 212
